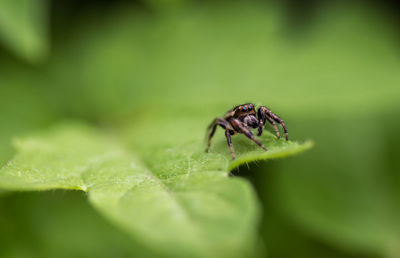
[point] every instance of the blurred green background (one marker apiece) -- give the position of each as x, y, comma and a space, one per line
331, 69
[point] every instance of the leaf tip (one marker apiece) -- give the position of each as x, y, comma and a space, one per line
292, 149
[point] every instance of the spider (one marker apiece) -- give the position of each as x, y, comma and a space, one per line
241, 119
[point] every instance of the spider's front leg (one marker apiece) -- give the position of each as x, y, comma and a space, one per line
266, 114
240, 127
224, 124
228, 138
213, 126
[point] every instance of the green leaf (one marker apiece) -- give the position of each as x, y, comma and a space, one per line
23, 27
226, 55
350, 197
59, 224
169, 194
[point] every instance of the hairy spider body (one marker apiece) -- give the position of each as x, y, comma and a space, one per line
241, 119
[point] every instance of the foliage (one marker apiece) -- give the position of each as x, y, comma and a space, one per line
181, 190
146, 86
23, 28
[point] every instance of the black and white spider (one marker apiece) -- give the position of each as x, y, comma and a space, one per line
241, 119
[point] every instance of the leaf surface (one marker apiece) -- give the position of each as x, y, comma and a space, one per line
172, 195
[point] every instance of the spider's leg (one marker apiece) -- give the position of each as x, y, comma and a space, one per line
274, 118
262, 117
228, 138
261, 122
260, 127
280, 121
272, 122
213, 126
246, 131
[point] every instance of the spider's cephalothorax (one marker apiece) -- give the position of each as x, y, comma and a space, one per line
241, 119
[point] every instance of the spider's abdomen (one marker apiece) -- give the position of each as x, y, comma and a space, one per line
251, 121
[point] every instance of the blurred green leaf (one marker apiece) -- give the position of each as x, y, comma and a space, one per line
350, 197
278, 230
177, 199
211, 57
141, 74
59, 224
24, 28
23, 104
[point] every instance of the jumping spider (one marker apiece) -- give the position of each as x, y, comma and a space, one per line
241, 119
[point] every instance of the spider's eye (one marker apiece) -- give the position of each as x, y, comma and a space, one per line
244, 109
249, 108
